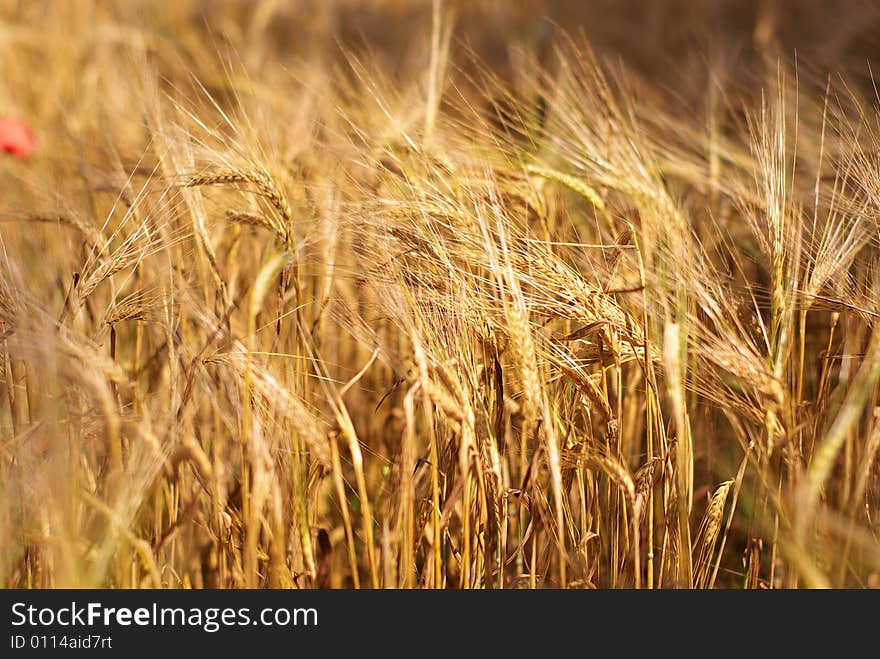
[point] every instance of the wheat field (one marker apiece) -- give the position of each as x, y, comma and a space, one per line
439, 294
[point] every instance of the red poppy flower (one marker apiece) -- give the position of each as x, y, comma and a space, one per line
16, 137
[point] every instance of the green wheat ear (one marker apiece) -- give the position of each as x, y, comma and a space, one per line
571, 182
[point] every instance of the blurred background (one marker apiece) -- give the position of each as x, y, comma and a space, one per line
654, 38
